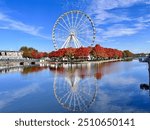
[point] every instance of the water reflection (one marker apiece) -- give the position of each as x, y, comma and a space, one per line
75, 86
23, 70
146, 86
74, 91
90, 87
32, 69
11, 70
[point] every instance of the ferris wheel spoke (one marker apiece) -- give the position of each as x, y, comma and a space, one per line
67, 98
68, 21
87, 27
76, 19
70, 103
84, 28
63, 26
88, 31
64, 96
74, 102
61, 31
83, 40
85, 33
72, 19
82, 100
80, 20
65, 23
82, 24
60, 40
78, 102
86, 38
61, 37
85, 93
60, 34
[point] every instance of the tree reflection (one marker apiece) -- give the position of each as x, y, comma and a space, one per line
32, 69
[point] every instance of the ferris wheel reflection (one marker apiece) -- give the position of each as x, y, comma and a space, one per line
74, 92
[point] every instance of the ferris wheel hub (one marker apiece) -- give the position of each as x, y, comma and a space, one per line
72, 34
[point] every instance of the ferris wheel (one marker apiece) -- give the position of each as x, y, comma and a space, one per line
74, 93
73, 29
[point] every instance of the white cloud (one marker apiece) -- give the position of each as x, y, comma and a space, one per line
109, 24
122, 81
147, 2
10, 24
121, 30
10, 96
108, 102
144, 19
111, 4
148, 41
100, 7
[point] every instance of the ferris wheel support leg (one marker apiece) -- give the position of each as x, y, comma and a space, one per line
78, 42
75, 42
66, 42
70, 38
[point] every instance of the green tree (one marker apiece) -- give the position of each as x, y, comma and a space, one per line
127, 53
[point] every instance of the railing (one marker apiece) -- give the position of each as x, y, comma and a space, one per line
18, 60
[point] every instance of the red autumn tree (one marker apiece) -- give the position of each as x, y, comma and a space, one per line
98, 52
82, 52
70, 52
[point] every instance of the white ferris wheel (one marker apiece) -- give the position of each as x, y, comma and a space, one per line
73, 29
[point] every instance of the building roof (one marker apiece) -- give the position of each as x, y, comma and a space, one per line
9, 51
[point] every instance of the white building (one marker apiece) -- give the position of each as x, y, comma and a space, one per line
11, 55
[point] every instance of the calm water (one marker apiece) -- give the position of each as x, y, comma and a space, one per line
92, 87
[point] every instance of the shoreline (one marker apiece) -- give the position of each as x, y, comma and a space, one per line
54, 64
90, 61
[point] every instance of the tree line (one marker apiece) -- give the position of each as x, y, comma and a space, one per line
94, 53
29, 52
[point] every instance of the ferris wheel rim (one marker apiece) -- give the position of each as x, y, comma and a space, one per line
66, 14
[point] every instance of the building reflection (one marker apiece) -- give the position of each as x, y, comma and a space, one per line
23, 70
10, 70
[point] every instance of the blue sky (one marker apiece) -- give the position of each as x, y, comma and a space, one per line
121, 24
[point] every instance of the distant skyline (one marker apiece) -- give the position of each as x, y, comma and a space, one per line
120, 24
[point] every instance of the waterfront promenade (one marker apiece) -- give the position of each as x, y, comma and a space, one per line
15, 63
10, 63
